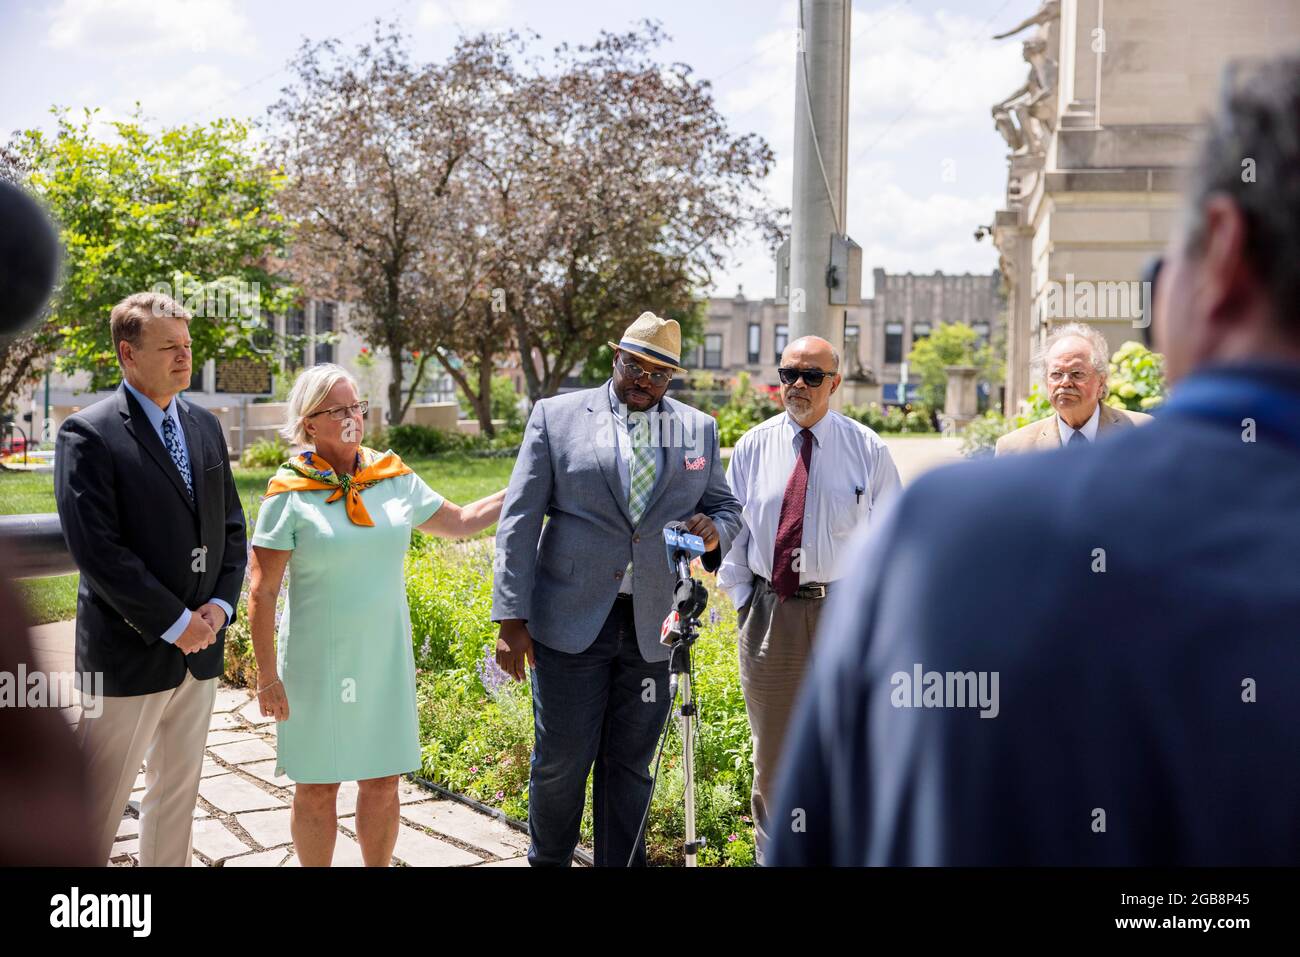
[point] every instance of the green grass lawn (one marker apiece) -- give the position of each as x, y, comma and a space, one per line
459, 478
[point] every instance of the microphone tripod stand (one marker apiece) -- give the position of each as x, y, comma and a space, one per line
689, 601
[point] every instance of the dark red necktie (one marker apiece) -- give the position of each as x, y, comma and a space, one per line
789, 530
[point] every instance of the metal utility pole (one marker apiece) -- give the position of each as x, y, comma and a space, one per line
825, 266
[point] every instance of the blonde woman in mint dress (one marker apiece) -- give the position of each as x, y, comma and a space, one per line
340, 680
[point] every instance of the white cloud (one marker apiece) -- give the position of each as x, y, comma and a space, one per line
130, 28
921, 89
470, 14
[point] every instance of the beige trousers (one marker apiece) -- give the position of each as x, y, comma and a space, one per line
775, 641
166, 731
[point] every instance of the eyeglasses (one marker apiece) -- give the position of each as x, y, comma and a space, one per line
341, 412
1077, 376
811, 377
636, 372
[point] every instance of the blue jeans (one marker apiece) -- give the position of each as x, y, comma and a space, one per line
590, 708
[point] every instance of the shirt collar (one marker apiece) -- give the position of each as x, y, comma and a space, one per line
151, 409
820, 431
1089, 429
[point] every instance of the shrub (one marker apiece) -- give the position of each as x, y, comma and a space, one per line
1137, 378
421, 441
264, 454
746, 408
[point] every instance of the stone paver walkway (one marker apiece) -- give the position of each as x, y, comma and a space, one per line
242, 817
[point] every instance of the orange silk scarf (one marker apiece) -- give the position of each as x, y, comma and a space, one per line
307, 472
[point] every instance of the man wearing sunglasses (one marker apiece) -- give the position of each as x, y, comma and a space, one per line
806, 479
582, 599
1138, 609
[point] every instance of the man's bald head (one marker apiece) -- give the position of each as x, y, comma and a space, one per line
812, 349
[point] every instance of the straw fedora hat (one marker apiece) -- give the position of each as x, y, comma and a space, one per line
659, 340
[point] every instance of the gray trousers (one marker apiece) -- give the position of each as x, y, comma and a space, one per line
774, 643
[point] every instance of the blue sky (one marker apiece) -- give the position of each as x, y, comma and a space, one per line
925, 164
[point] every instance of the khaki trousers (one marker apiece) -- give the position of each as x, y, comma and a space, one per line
166, 731
774, 644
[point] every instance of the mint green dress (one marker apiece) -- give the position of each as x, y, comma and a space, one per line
344, 642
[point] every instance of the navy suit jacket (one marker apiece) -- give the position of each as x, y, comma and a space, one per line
1125, 733
146, 550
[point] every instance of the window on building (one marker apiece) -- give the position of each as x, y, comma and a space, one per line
755, 337
782, 340
326, 319
295, 327
713, 351
850, 346
919, 331
893, 343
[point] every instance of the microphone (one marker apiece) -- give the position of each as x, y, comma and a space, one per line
681, 546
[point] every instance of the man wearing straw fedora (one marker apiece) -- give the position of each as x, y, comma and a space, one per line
582, 599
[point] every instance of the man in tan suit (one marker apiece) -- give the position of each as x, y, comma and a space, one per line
1074, 365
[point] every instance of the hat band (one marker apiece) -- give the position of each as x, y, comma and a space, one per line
636, 346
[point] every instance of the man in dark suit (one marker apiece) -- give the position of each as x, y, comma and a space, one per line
1077, 658
152, 518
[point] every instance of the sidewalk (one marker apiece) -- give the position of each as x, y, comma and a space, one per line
242, 817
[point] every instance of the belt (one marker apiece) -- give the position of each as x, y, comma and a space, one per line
812, 590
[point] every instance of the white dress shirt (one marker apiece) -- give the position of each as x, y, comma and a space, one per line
620, 412
155, 415
851, 474
1089, 429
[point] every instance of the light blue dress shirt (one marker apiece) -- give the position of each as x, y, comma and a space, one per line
155, 414
847, 457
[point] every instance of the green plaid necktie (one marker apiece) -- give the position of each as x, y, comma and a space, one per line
641, 477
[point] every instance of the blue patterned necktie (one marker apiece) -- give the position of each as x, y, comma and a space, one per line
1077, 438
173, 443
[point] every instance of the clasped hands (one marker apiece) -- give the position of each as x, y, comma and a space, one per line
202, 630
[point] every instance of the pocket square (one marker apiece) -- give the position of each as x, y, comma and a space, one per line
696, 464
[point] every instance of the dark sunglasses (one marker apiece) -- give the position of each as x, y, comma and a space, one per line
811, 377
1150, 276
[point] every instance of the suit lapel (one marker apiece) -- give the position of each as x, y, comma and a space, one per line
138, 424
1110, 417
605, 439
1049, 434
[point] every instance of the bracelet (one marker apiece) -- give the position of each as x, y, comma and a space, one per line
271, 685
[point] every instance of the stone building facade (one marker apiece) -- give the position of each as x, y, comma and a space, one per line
1114, 98
748, 335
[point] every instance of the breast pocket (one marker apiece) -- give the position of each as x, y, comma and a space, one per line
849, 508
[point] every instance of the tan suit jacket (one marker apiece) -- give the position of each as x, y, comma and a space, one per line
1044, 434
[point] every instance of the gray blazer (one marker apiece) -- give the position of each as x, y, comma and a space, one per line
563, 578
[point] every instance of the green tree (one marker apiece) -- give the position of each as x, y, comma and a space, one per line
951, 344
505, 402
186, 210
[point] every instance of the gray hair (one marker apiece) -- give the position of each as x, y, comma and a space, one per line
308, 392
1081, 330
1256, 129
